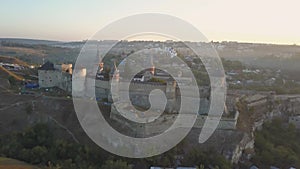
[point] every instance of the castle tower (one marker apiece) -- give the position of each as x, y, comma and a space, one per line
170, 89
79, 80
114, 82
171, 95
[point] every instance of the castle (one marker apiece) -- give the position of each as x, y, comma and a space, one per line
141, 86
51, 75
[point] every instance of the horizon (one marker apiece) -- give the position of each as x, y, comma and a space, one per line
147, 40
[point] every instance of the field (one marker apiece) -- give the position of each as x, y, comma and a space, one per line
7, 163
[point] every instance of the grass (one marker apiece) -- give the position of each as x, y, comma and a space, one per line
7, 163
21, 50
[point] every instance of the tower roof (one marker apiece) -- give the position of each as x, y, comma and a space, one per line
47, 66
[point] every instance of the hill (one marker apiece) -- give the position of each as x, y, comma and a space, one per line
29, 41
6, 163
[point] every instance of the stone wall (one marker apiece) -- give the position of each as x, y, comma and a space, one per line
53, 78
49, 78
225, 123
102, 89
64, 83
139, 95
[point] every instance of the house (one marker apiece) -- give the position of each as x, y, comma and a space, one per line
270, 82
138, 78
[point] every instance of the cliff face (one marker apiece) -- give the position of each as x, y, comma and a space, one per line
20, 111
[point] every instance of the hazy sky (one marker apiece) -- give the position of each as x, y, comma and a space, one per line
272, 21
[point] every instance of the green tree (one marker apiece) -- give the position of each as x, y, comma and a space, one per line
206, 158
119, 164
38, 155
277, 144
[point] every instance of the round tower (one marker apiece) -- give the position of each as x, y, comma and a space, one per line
114, 82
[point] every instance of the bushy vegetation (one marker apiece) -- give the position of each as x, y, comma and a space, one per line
232, 64
205, 159
38, 146
277, 144
153, 79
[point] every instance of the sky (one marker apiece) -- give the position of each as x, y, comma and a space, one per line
262, 21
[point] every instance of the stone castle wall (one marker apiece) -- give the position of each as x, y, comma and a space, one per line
50, 78
139, 92
224, 124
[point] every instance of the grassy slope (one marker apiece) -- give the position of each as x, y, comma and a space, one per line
7, 163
